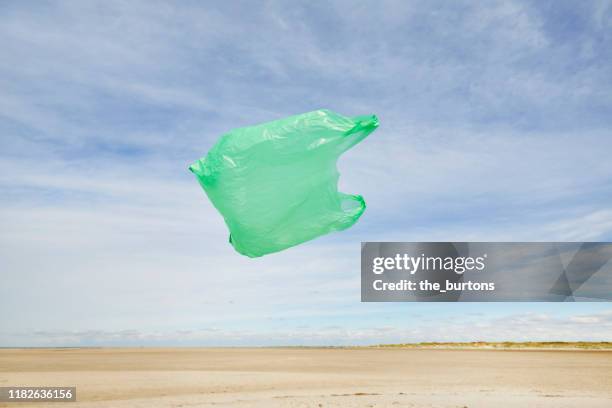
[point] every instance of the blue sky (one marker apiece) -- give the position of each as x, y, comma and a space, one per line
495, 125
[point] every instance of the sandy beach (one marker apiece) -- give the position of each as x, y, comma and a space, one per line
306, 377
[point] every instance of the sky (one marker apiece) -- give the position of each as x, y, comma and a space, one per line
495, 125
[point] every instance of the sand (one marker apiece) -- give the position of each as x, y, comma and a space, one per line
294, 377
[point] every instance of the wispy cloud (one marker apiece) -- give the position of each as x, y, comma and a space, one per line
519, 327
495, 125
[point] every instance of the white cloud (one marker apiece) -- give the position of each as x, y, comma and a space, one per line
490, 129
520, 327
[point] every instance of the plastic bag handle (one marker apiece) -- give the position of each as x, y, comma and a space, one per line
364, 125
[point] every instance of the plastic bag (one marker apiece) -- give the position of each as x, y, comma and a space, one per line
276, 184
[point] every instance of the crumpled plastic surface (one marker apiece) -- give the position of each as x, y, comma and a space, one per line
276, 184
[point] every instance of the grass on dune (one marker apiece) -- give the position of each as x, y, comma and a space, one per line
583, 345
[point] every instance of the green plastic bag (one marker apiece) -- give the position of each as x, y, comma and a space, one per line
276, 184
